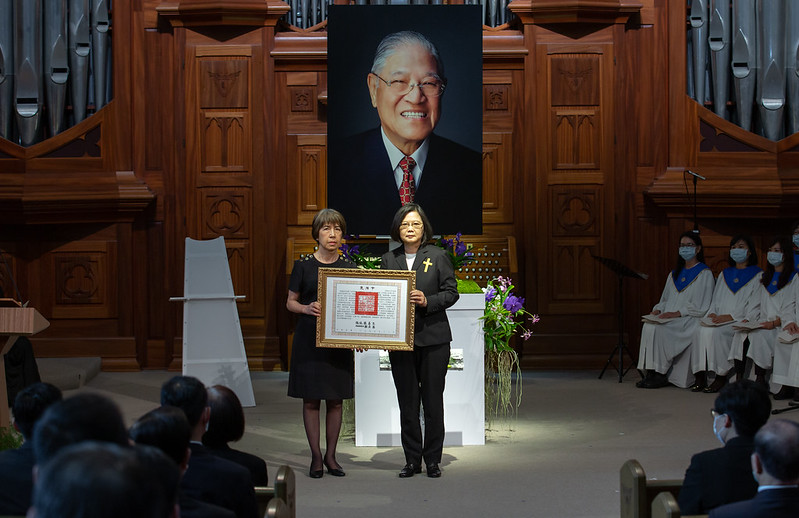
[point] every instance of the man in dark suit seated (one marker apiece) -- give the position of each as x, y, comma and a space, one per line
209, 478
167, 429
373, 173
16, 466
720, 476
775, 465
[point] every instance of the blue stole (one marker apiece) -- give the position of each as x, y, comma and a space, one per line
796, 260
687, 276
738, 278
772, 286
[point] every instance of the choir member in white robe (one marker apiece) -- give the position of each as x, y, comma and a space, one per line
685, 299
795, 240
777, 311
786, 355
736, 297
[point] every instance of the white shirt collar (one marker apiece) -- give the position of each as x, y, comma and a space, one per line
395, 156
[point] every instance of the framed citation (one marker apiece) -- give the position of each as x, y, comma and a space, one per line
365, 309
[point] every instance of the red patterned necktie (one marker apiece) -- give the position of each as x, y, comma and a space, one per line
407, 189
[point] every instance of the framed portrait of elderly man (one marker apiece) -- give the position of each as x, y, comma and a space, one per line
405, 115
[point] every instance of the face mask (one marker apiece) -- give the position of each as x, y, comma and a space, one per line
738, 254
717, 432
795, 240
687, 252
775, 258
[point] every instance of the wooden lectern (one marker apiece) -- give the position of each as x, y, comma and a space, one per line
15, 321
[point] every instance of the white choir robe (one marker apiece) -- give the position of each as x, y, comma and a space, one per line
762, 341
661, 344
786, 356
711, 351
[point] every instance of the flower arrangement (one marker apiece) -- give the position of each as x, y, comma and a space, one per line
504, 316
357, 255
457, 250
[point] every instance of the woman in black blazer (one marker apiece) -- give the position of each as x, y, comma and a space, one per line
419, 374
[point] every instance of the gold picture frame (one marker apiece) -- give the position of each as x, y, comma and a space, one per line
365, 309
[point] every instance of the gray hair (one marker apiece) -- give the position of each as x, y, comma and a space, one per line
395, 40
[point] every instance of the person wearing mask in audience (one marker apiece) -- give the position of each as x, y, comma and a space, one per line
720, 476
777, 311
227, 425
318, 373
669, 333
209, 478
775, 466
736, 297
167, 429
16, 465
795, 242
419, 374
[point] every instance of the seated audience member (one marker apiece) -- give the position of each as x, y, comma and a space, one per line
720, 476
82, 417
209, 478
227, 425
775, 465
161, 484
95, 480
167, 429
16, 466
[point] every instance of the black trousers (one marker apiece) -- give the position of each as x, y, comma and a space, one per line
419, 378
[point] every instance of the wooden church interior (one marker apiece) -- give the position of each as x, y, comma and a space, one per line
211, 121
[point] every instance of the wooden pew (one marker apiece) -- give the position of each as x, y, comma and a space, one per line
637, 493
283, 489
665, 506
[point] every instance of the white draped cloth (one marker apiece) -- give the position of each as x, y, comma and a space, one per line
711, 351
662, 343
762, 342
786, 356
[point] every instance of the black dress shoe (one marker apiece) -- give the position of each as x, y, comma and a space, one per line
433, 471
409, 470
717, 385
336, 472
316, 473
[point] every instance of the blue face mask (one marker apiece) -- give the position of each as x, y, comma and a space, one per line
687, 252
738, 254
775, 258
795, 240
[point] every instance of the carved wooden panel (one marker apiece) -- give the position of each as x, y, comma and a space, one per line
576, 144
307, 177
83, 277
225, 213
497, 179
302, 99
496, 97
239, 255
576, 211
576, 276
225, 141
574, 80
224, 83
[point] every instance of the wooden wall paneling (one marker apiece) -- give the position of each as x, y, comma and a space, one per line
306, 177
498, 164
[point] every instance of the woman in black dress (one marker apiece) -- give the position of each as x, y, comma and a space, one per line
319, 373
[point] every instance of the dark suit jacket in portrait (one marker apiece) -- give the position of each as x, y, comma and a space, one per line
771, 503
16, 480
718, 477
218, 481
436, 280
361, 185
255, 465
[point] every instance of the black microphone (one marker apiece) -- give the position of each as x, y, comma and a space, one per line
695, 175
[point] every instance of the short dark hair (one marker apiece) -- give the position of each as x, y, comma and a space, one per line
82, 417
400, 215
162, 481
745, 402
165, 428
30, 404
92, 480
227, 417
188, 394
777, 445
752, 260
324, 217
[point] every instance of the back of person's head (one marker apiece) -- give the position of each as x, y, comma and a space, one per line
186, 393
777, 446
165, 428
30, 404
162, 481
82, 417
92, 480
747, 404
227, 417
